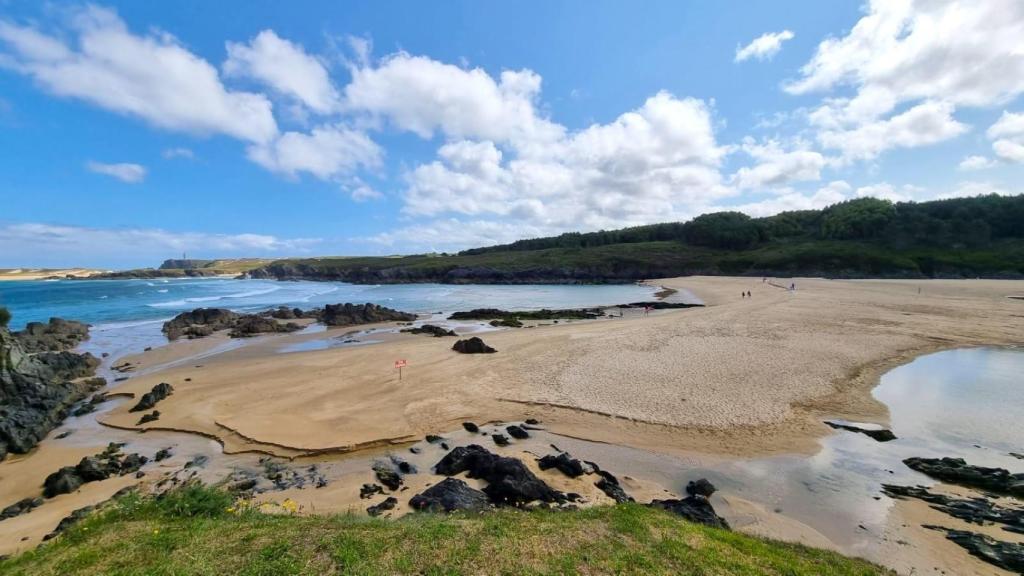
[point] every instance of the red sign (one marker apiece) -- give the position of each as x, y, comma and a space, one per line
400, 363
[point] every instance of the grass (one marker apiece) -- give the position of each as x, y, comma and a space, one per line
191, 531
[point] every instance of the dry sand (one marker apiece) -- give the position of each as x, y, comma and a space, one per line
739, 377
41, 273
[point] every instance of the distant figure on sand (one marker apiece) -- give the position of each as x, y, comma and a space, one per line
792, 286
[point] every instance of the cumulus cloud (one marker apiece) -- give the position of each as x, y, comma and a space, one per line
970, 163
124, 171
1008, 137
930, 55
39, 244
326, 152
286, 68
776, 166
927, 123
153, 77
764, 47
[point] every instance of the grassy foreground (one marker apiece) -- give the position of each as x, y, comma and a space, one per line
195, 531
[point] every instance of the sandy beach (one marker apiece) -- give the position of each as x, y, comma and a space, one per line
738, 377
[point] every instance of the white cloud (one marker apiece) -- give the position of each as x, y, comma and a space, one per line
326, 152
930, 55
125, 172
970, 163
834, 192
424, 96
927, 123
776, 167
970, 189
1008, 136
886, 191
764, 47
172, 153
284, 67
153, 77
55, 245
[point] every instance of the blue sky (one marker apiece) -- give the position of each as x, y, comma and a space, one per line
131, 132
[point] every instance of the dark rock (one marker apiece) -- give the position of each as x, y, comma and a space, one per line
63, 481
433, 439
693, 508
389, 503
879, 435
506, 323
132, 463
20, 507
470, 427
1006, 555
162, 454
509, 481
37, 390
431, 329
244, 485
500, 439
700, 488
368, 490
544, 314
64, 434
517, 432
974, 510
415, 449
353, 314
444, 446
1017, 455
250, 325
149, 399
613, 489
197, 462
387, 475
151, 417
532, 421
68, 521
55, 336
564, 463
93, 469
660, 305
957, 471
199, 323
473, 345
449, 495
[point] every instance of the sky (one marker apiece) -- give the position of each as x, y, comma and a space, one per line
138, 131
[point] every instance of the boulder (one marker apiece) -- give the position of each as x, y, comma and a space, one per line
156, 394
695, 509
470, 427
700, 488
162, 454
877, 434
389, 503
517, 432
63, 481
500, 439
250, 325
20, 507
1006, 555
55, 336
368, 490
387, 475
199, 323
473, 345
450, 495
147, 418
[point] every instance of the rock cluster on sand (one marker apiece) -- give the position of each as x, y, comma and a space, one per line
509, 481
38, 389
695, 507
108, 463
544, 314
1006, 555
450, 495
473, 345
972, 510
203, 322
353, 314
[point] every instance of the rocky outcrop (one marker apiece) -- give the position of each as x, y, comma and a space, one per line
473, 345
156, 394
203, 322
387, 475
432, 330
695, 507
509, 481
450, 495
101, 466
544, 314
564, 463
973, 510
353, 314
958, 471
20, 507
877, 434
389, 503
55, 336
37, 390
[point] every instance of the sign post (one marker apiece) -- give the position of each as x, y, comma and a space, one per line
400, 364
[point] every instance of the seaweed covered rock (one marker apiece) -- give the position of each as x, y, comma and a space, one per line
450, 495
37, 390
473, 345
430, 329
199, 323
